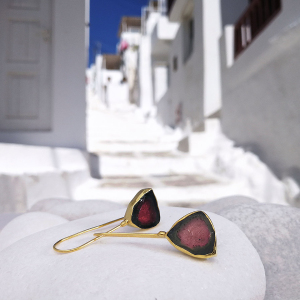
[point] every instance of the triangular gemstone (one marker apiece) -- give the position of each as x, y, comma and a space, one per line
145, 212
195, 234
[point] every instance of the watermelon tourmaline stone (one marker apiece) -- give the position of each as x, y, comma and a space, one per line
145, 213
194, 233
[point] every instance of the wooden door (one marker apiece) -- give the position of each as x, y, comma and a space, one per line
25, 76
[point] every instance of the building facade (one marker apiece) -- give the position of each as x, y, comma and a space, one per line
130, 39
194, 88
42, 66
260, 71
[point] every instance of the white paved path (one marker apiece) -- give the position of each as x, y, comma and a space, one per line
135, 152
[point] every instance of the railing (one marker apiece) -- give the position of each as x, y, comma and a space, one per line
257, 16
170, 5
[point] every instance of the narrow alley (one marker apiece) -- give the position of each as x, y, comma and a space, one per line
130, 152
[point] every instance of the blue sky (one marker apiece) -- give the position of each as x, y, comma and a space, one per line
104, 22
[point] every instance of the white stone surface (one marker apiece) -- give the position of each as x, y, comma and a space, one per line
30, 173
25, 225
44, 185
72, 210
274, 231
6, 218
131, 268
225, 203
217, 154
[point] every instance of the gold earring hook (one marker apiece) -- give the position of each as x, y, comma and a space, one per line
123, 223
194, 234
144, 198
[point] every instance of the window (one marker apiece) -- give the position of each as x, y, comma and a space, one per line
188, 38
175, 63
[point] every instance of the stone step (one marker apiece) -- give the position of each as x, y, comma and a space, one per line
149, 164
169, 190
110, 131
133, 147
130, 133
133, 138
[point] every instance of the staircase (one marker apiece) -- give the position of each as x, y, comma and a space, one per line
134, 152
127, 131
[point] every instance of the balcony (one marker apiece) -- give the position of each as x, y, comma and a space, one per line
253, 21
163, 33
177, 8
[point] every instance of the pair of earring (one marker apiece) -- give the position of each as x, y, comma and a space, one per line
193, 234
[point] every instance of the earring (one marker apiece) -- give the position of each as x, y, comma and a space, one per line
193, 234
142, 212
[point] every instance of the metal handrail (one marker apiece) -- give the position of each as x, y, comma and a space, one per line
252, 22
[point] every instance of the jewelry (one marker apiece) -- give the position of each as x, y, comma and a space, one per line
193, 234
142, 212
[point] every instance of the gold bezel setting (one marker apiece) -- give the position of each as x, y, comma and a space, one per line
198, 234
133, 210
207, 251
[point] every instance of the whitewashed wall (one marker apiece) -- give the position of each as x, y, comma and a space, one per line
160, 82
132, 38
186, 84
146, 100
68, 81
116, 92
161, 38
212, 77
166, 30
261, 93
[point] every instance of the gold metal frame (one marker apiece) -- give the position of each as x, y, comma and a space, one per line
214, 252
133, 202
123, 223
126, 220
163, 234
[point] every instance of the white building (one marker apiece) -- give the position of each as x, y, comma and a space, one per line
42, 65
150, 16
130, 39
112, 80
157, 34
192, 61
253, 47
179, 62
115, 93
184, 102
162, 36
260, 80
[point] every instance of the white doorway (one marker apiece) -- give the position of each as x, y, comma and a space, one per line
25, 60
